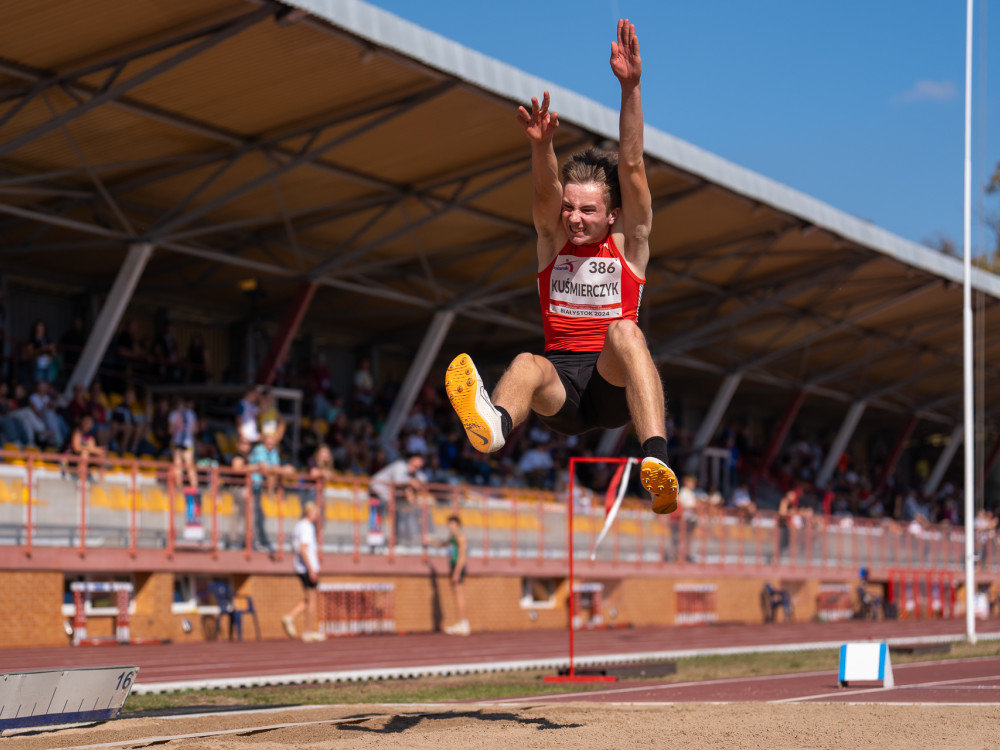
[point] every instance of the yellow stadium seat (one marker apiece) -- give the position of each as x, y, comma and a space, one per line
114, 399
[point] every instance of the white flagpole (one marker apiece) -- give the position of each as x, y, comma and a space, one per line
970, 444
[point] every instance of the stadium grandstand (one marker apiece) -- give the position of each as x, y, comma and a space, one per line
248, 207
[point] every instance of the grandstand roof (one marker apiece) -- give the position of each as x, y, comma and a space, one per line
328, 140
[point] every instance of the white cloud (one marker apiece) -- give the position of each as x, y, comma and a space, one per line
928, 91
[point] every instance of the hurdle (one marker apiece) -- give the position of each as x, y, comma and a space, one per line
570, 674
356, 608
121, 590
64, 696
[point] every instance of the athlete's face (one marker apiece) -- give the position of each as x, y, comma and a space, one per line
585, 214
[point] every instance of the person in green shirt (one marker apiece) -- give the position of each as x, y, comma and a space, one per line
457, 557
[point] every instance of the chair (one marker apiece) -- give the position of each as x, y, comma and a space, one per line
227, 602
772, 599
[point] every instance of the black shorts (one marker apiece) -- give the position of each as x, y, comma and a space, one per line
307, 582
461, 575
591, 401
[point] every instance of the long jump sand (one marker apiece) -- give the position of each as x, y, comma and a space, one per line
580, 725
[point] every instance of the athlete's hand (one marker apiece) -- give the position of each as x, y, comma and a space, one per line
539, 124
625, 61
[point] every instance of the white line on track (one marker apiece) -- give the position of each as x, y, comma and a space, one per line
842, 692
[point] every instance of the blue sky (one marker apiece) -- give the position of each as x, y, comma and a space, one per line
857, 103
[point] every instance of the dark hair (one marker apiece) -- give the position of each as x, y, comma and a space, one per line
455, 518
594, 165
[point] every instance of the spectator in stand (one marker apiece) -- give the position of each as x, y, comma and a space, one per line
247, 412
128, 423
241, 458
40, 350
11, 429
82, 441
129, 354
321, 466
364, 389
319, 386
183, 424
536, 467
401, 480
743, 503
266, 463
159, 427
78, 406
41, 421
166, 356
71, 345
270, 418
100, 410
416, 442
689, 498
198, 363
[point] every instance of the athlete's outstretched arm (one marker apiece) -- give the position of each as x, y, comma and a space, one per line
637, 204
540, 125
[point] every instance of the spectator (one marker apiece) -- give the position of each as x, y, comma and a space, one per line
247, 412
744, 504
183, 423
40, 350
198, 362
270, 418
537, 467
306, 566
82, 442
241, 458
364, 389
266, 462
165, 355
41, 423
127, 423
160, 424
128, 353
78, 406
321, 467
100, 410
399, 481
689, 497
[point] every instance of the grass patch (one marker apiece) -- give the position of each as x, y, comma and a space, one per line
515, 684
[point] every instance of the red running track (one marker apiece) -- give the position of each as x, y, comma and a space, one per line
270, 660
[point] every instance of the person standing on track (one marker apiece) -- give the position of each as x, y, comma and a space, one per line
593, 229
458, 547
306, 565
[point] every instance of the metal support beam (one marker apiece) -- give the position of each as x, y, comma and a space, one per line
897, 450
111, 314
781, 431
218, 34
945, 459
414, 381
282, 341
839, 445
714, 416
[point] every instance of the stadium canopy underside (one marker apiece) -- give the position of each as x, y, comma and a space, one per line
346, 148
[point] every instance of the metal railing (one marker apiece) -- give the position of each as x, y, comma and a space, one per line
52, 500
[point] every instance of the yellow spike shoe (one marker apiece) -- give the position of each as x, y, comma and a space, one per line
660, 481
472, 403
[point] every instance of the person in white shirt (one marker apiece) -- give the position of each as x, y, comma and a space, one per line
306, 565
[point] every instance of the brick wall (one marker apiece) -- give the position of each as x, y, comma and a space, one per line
31, 609
30, 604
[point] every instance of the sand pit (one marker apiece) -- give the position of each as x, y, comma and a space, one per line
745, 726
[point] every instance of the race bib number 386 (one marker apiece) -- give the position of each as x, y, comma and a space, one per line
586, 287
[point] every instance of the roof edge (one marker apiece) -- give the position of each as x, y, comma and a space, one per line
436, 51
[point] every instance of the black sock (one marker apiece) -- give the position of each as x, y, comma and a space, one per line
656, 447
507, 424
